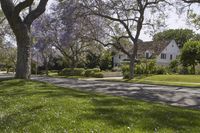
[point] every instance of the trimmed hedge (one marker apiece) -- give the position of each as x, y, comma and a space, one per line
96, 73
72, 72
91, 72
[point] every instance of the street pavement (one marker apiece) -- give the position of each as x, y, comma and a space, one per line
176, 96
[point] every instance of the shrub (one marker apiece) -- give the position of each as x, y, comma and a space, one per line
139, 69
173, 66
160, 70
96, 70
98, 75
184, 70
91, 72
126, 75
143, 68
72, 72
125, 68
106, 61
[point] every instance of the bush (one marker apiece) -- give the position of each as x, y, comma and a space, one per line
173, 66
91, 72
125, 68
160, 70
98, 75
143, 68
72, 72
106, 61
184, 70
126, 75
140, 69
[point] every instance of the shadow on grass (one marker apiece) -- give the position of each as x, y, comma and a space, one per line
119, 112
116, 112
20, 118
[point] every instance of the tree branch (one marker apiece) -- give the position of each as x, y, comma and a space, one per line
8, 8
191, 1
36, 13
21, 6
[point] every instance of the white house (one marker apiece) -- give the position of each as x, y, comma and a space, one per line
163, 51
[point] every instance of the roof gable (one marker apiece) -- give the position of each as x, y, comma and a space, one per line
155, 47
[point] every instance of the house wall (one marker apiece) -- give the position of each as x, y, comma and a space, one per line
117, 59
171, 49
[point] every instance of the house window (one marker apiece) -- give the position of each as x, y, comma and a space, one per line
171, 56
163, 56
147, 55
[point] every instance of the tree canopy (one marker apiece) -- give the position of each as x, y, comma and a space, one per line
190, 55
181, 36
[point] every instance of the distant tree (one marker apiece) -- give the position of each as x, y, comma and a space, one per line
194, 19
92, 60
68, 31
124, 19
190, 55
42, 40
106, 60
181, 36
8, 56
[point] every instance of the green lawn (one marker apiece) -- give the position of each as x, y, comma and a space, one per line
27, 106
174, 80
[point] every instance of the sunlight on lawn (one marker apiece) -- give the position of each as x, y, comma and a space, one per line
28, 106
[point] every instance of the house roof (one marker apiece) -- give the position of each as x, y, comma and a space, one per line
155, 47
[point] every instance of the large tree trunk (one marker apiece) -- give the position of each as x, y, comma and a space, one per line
132, 67
23, 67
21, 29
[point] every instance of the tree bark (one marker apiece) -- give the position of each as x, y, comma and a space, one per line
23, 67
132, 67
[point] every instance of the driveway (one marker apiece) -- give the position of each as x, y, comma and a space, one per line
178, 96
